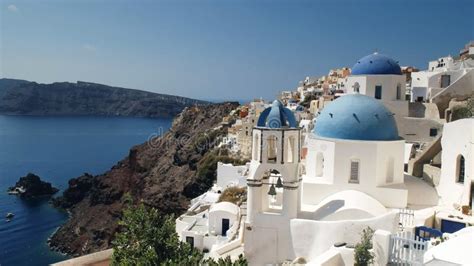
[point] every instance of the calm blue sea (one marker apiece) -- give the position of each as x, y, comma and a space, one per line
56, 149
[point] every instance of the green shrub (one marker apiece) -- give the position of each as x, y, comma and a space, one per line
362, 254
149, 238
241, 261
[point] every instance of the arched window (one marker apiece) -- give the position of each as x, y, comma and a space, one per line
274, 202
290, 150
271, 149
356, 87
354, 174
399, 91
319, 164
460, 169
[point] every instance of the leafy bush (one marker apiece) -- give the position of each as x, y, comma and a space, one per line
149, 238
241, 261
363, 255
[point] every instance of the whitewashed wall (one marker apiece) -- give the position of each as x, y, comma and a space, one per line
325, 234
458, 138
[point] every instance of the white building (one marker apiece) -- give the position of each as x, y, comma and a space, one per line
441, 63
209, 225
356, 146
229, 175
443, 76
222, 216
456, 185
381, 77
353, 178
273, 170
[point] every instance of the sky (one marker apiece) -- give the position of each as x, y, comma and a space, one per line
220, 50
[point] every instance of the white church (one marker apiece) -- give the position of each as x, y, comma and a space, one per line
300, 209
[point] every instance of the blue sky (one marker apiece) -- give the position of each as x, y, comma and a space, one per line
224, 49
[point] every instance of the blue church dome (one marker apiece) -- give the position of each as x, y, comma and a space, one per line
356, 117
376, 64
277, 116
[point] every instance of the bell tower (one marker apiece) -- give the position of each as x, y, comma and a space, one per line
273, 183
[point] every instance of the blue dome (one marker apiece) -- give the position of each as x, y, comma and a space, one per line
376, 64
277, 116
356, 117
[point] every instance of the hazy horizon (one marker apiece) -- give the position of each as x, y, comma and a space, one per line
226, 50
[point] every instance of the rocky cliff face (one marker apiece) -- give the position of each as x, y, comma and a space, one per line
19, 97
163, 173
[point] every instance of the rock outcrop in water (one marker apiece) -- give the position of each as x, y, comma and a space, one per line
31, 186
165, 173
20, 97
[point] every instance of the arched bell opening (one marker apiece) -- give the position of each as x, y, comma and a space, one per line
272, 182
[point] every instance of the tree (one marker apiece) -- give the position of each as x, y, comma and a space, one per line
241, 261
148, 238
363, 255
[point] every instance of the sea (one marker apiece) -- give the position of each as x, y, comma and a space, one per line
56, 149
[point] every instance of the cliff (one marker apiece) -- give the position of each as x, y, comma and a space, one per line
165, 173
20, 97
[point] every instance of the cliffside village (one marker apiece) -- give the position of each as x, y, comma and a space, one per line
378, 145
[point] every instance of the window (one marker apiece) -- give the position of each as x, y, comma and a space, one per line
225, 226
378, 92
190, 241
433, 132
290, 150
271, 149
354, 176
274, 190
471, 198
399, 91
445, 81
356, 87
461, 169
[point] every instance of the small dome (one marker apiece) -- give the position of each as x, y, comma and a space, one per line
376, 64
277, 116
356, 117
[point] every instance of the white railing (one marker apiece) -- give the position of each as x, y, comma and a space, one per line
406, 249
406, 218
